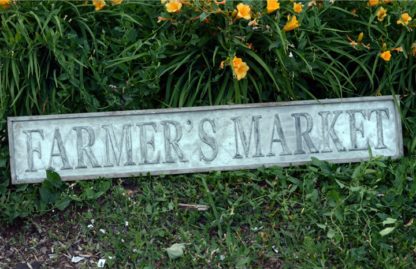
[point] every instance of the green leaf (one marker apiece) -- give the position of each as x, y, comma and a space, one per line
322, 226
340, 184
357, 172
47, 196
389, 221
53, 178
387, 230
63, 203
330, 234
203, 16
264, 66
370, 171
313, 196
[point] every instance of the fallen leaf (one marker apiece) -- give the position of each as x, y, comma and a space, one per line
76, 259
176, 250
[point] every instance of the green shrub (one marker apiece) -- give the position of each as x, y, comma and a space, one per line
62, 56
321, 58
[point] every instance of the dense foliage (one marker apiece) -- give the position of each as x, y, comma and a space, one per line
82, 56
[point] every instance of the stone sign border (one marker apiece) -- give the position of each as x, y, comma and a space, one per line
395, 98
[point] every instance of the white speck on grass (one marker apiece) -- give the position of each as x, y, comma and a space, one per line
101, 263
76, 259
126, 223
90, 226
255, 229
102, 231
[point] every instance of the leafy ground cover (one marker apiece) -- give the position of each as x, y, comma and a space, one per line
316, 216
82, 56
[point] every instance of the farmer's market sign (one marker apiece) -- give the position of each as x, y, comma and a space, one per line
171, 141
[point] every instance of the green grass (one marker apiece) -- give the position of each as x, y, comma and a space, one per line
317, 216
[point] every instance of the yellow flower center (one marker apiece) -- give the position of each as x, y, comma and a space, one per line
243, 11
373, 3
272, 5
386, 55
5, 3
297, 7
99, 4
404, 19
173, 6
292, 23
240, 68
381, 13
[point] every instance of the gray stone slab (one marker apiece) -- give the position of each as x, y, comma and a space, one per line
198, 139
